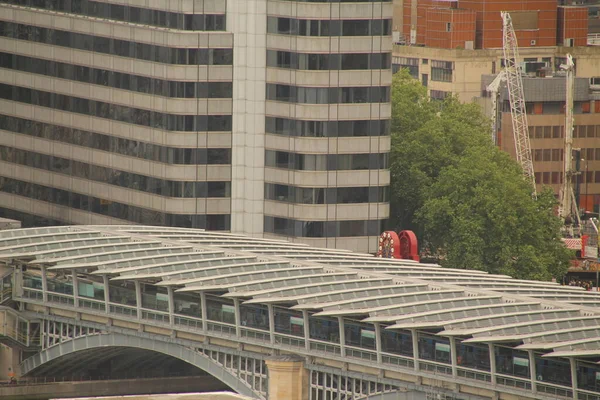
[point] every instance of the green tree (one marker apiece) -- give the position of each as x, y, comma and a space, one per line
467, 200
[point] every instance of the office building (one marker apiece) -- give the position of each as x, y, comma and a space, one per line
263, 117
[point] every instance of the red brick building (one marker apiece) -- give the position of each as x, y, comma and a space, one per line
476, 24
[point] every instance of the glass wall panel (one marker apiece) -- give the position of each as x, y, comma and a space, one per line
434, 348
254, 316
325, 329
122, 293
512, 362
396, 342
155, 297
588, 376
59, 282
288, 322
220, 310
473, 356
359, 334
91, 287
32, 278
187, 304
552, 370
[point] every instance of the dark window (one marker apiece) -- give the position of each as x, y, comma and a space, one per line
99, 44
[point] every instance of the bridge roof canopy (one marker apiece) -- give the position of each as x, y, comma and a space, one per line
399, 294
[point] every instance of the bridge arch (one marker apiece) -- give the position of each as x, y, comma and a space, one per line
108, 340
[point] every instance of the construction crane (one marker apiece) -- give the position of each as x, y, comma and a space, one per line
516, 96
494, 89
568, 204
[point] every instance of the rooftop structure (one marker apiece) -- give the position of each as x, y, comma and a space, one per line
397, 315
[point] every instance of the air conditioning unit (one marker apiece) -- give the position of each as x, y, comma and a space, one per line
533, 42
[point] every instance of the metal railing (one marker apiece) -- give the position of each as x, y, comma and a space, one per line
33, 294
290, 340
225, 329
397, 360
513, 382
156, 316
555, 390
587, 395
593, 39
474, 374
61, 299
362, 354
255, 334
92, 304
325, 347
435, 367
123, 310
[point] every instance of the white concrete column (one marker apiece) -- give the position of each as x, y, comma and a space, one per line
378, 341
106, 293
246, 19
492, 363
44, 284
271, 323
171, 305
138, 298
306, 329
238, 319
453, 354
75, 287
204, 311
342, 336
574, 384
415, 343
531, 357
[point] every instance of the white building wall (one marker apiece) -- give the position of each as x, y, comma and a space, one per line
246, 19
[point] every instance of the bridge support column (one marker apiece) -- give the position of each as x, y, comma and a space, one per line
492, 363
106, 293
532, 370
574, 382
44, 284
288, 379
138, 299
342, 336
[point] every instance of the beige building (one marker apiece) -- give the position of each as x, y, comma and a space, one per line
263, 117
459, 71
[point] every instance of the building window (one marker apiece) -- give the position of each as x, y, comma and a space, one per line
441, 71
412, 64
438, 94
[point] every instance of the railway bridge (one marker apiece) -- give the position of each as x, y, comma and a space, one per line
280, 320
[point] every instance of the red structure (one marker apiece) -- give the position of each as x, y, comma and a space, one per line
403, 246
476, 24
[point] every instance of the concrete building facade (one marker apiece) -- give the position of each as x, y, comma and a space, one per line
264, 117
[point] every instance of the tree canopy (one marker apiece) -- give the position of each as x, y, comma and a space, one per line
465, 199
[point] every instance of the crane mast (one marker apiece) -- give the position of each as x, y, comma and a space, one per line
568, 206
516, 95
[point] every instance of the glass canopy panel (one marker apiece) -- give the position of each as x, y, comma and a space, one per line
187, 304
220, 309
91, 287
434, 348
288, 321
359, 334
254, 316
512, 362
588, 376
475, 356
396, 342
154, 297
122, 293
552, 370
325, 329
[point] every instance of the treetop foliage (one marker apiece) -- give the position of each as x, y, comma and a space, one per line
465, 199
